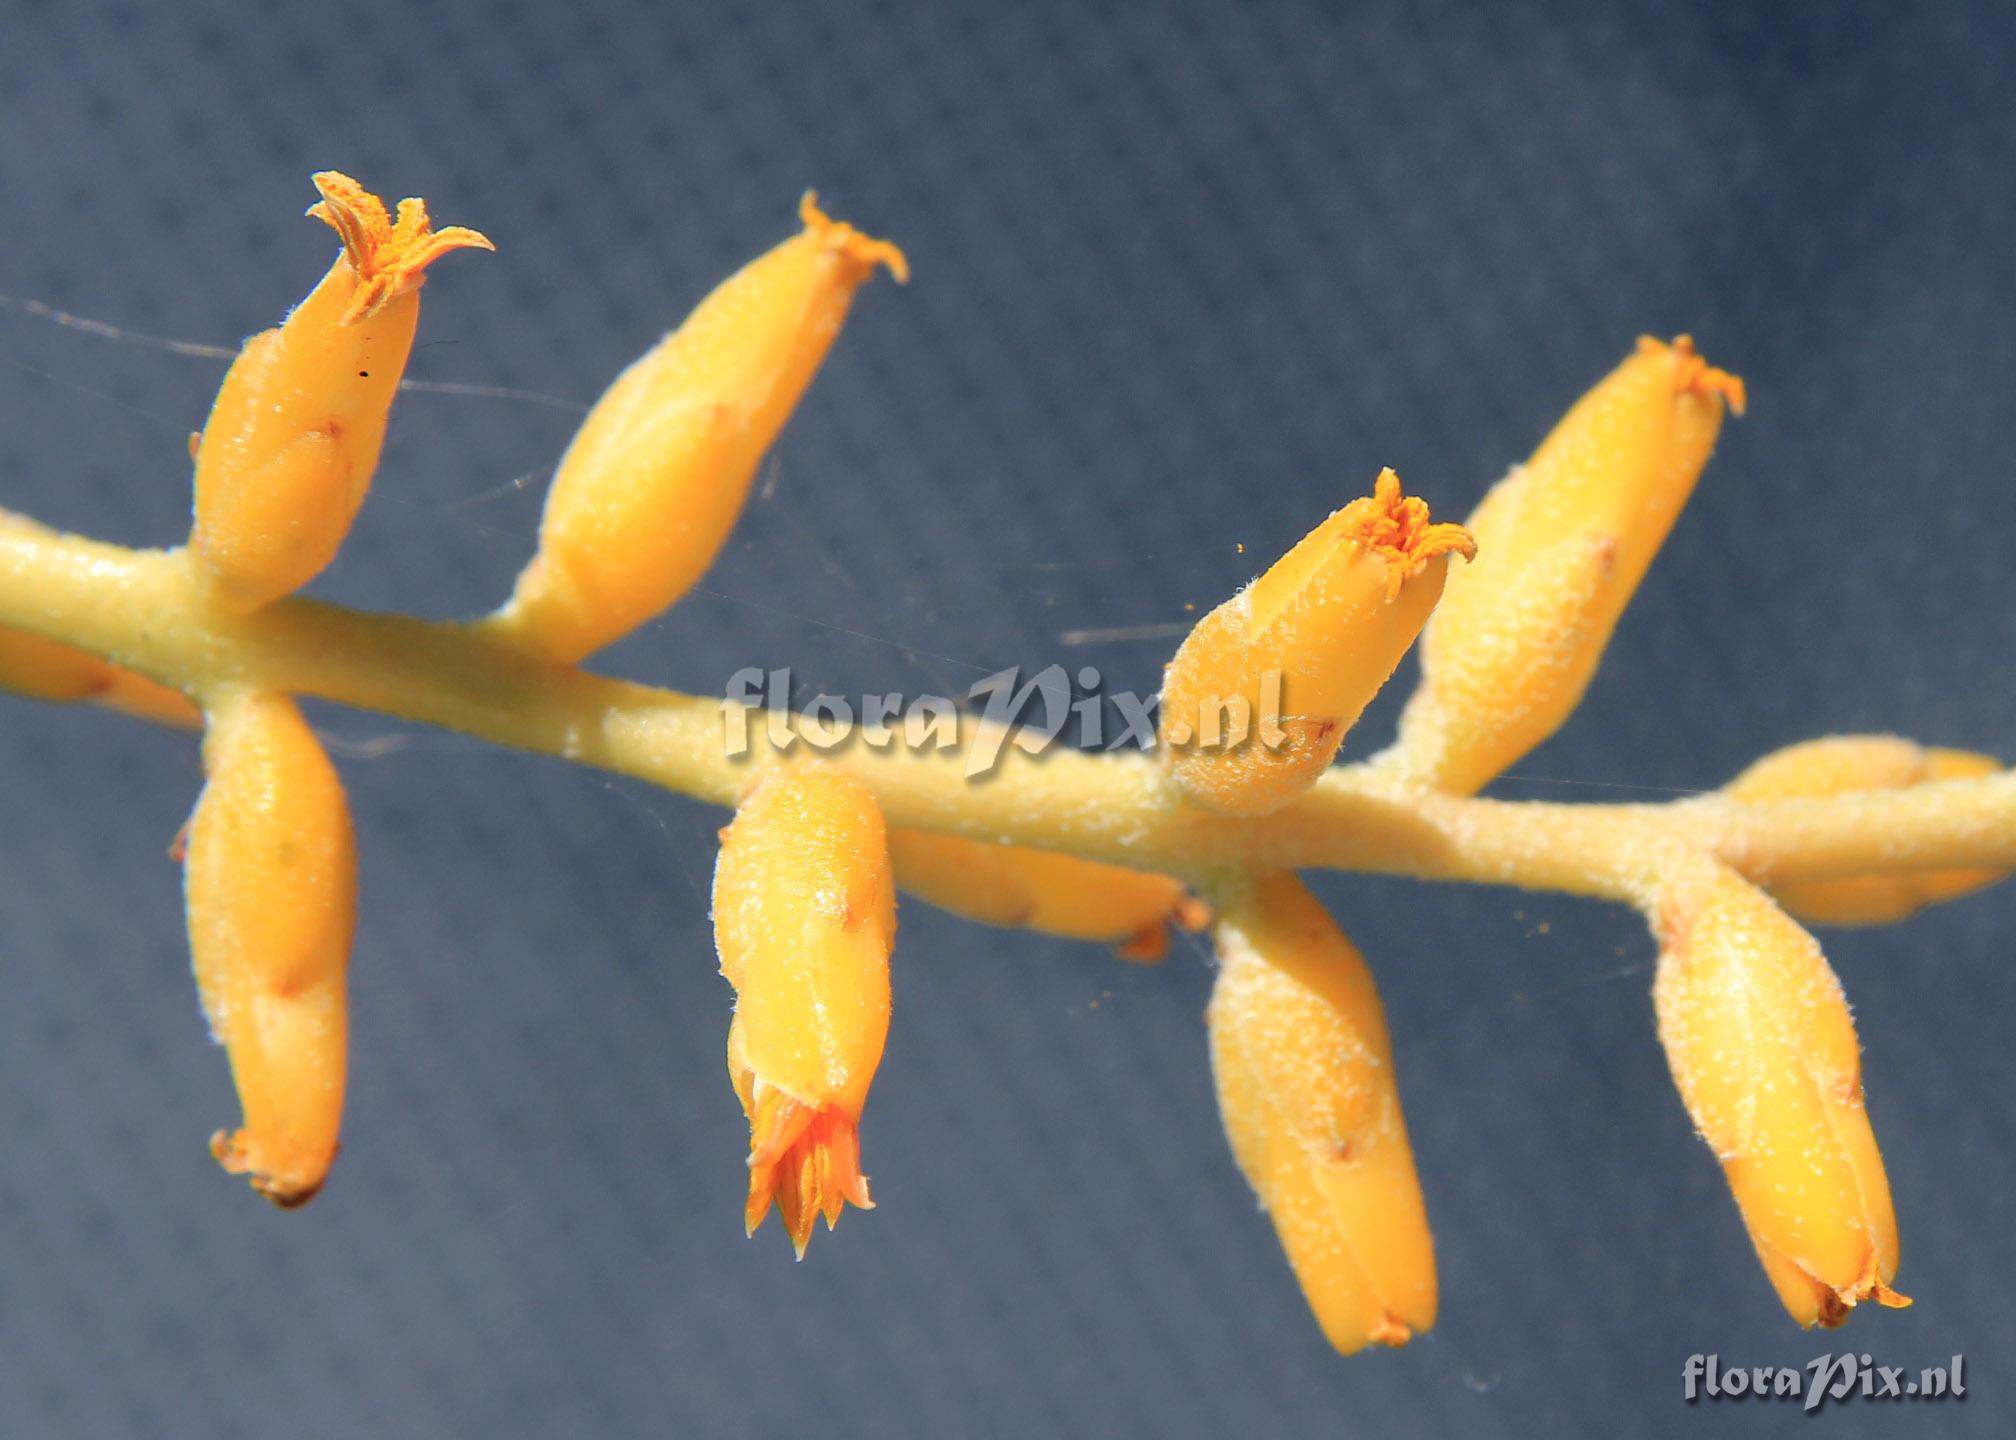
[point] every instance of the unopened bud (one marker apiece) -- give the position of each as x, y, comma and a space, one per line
1562, 543
1851, 764
1764, 1053
655, 477
1041, 890
271, 879
1306, 1088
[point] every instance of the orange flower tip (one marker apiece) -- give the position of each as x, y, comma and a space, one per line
804, 1159
775, 1123
146, 699
1834, 1306
1692, 373
1390, 1331
230, 1150
390, 256
865, 251
1145, 946
1395, 527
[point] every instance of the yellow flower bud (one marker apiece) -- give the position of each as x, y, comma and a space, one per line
292, 442
1260, 694
1307, 1092
1765, 1057
1846, 764
49, 670
1563, 542
654, 479
271, 877
1041, 890
804, 918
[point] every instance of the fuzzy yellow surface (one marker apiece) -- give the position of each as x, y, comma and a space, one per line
62, 674
656, 475
1846, 765
1562, 543
804, 919
1765, 1056
1299, 653
1306, 1089
144, 610
1755, 1026
1042, 890
293, 439
1236, 760
271, 877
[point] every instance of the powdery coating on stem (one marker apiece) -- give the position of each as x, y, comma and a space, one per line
143, 610
804, 901
1852, 764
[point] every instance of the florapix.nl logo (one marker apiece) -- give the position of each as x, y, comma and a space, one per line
1052, 706
1844, 1376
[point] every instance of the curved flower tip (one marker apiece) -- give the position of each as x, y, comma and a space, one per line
1395, 527
1150, 943
390, 257
287, 1186
1764, 1053
864, 250
1695, 374
1303, 1068
1813, 1301
804, 1158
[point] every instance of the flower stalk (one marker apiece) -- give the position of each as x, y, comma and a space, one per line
1095, 847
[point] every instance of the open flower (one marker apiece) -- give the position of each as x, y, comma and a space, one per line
1764, 1053
1261, 692
804, 919
292, 441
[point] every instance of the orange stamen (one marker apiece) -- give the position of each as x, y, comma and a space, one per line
1395, 528
807, 1160
390, 257
1696, 374
864, 250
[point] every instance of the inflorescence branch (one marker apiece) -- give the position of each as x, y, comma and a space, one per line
1512, 610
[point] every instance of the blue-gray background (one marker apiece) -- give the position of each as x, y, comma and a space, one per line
1185, 278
